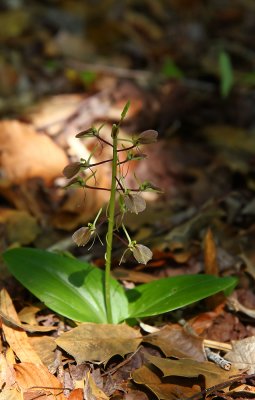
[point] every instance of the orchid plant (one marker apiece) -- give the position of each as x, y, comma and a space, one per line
83, 292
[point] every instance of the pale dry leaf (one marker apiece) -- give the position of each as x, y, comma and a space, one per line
26, 327
34, 378
11, 394
45, 347
174, 341
17, 339
28, 313
185, 367
99, 342
210, 254
7, 376
25, 153
165, 391
92, 391
242, 354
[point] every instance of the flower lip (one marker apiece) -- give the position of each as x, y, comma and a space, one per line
147, 137
82, 236
72, 169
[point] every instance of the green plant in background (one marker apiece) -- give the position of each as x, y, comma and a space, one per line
82, 292
171, 70
226, 74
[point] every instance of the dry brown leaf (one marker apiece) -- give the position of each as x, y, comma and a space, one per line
20, 226
242, 354
123, 274
11, 394
92, 391
45, 347
210, 254
25, 154
76, 394
243, 390
37, 379
164, 391
26, 327
51, 113
7, 377
27, 314
174, 341
212, 373
99, 342
17, 339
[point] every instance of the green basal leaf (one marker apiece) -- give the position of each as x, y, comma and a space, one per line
75, 289
71, 288
168, 294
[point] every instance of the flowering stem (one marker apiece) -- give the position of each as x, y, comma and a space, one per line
109, 235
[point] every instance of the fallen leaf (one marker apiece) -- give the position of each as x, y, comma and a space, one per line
242, 354
26, 154
165, 391
122, 274
37, 379
92, 391
45, 347
212, 373
180, 237
99, 342
17, 339
13, 23
210, 254
76, 394
20, 226
26, 327
27, 314
11, 394
243, 390
7, 377
174, 341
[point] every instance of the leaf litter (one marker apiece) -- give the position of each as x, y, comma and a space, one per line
204, 162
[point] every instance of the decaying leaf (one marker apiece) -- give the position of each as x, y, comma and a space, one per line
174, 341
17, 340
27, 154
92, 391
165, 391
11, 394
210, 254
212, 373
242, 354
37, 380
99, 342
45, 347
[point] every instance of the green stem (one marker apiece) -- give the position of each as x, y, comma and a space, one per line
109, 236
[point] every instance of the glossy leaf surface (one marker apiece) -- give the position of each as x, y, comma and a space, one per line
168, 294
70, 287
